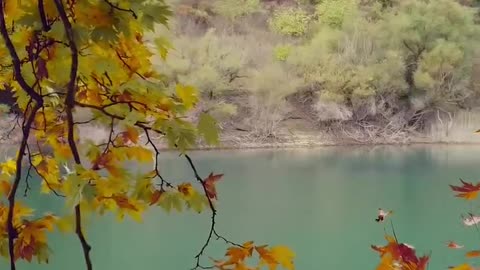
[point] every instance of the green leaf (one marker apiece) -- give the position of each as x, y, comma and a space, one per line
163, 45
75, 195
207, 127
4, 108
197, 202
180, 134
171, 200
103, 34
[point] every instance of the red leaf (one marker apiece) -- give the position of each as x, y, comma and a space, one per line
467, 191
209, 184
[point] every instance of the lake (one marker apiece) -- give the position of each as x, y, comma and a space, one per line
321, 202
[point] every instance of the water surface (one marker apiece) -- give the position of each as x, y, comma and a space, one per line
320, 202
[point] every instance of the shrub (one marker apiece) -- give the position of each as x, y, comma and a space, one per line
281, 52
334, 12
233, 9
290, 21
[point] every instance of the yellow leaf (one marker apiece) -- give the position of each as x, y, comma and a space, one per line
139, 153
284, 256
462, 267
9, 167
66, 224
187, 94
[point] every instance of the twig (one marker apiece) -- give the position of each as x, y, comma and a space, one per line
393, 230
157, 154
212, 231
113, 6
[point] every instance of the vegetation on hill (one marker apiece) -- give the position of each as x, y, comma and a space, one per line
361, 69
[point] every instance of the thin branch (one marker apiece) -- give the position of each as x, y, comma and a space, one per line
212, 231
117, 7
157, 155
128, 66
393, 231
70, 104
38, 172
12, 232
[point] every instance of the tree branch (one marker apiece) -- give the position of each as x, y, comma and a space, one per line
70, 104
17, 65
43, 16
12, 232
117, 7
212, 231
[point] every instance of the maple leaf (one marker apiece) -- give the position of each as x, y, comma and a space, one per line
130, 135
207, 126
473, 254
186, 189
461, 267
402, 254
284, 256
209, 184
187, 94
467, 191
156, 196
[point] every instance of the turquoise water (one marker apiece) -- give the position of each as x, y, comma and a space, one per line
322, 203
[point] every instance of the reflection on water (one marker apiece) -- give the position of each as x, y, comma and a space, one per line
321, 202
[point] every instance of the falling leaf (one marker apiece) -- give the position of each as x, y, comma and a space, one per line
210, 182
461, 267
471, 220
467, 191
473, 254
454, 245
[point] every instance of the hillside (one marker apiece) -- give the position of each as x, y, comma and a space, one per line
303, 72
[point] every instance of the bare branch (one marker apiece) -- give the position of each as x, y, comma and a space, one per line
157, 154
212, 231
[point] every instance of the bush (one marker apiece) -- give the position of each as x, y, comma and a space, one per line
232, 9
334, 12
290, 21
281, 52
269, 85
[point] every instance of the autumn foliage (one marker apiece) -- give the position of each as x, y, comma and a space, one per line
61, 55
400, 256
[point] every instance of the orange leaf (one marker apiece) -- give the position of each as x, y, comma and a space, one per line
156, 196
122, 202
4, 188
467, 191
210, 182
186, 189
473, 254
130, 135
